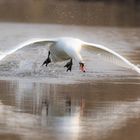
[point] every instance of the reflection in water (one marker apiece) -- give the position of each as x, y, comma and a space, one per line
45, 106
79, 111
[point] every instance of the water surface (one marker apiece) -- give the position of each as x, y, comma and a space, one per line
95, 110
49, 103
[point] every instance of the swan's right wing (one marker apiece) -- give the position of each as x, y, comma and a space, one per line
28, 43
2, 55
109, 55
32, 42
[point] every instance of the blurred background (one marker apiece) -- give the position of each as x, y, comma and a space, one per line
77, 12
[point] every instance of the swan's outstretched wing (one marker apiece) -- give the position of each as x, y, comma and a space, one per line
110, 55
28, 43
2, 55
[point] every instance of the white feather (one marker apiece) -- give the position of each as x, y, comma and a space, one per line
109, 55
30, 42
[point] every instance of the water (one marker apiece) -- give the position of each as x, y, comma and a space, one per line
123, 13
38, 103
50, 103
95, 110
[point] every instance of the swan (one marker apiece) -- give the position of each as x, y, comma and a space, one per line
68, 48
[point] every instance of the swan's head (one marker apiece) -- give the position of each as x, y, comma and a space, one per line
82, 67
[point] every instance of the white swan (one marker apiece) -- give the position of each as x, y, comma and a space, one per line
65, 48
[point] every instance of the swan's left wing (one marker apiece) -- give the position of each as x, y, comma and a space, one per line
109, 55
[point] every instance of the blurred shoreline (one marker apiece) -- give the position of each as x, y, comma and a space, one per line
75, 12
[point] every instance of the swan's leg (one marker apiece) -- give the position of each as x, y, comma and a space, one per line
69, 65
48, 60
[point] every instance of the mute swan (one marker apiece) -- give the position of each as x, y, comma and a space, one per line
65, 48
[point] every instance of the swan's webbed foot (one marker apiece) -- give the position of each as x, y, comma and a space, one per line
69, 65
47, 61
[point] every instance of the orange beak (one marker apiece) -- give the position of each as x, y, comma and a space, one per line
82, 68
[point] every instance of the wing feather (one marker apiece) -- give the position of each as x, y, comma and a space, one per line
28, 43
110, 55
32, 42
2, 55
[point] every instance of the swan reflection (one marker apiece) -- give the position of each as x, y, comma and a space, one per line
64, 113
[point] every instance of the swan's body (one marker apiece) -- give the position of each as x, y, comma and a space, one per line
65, 48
